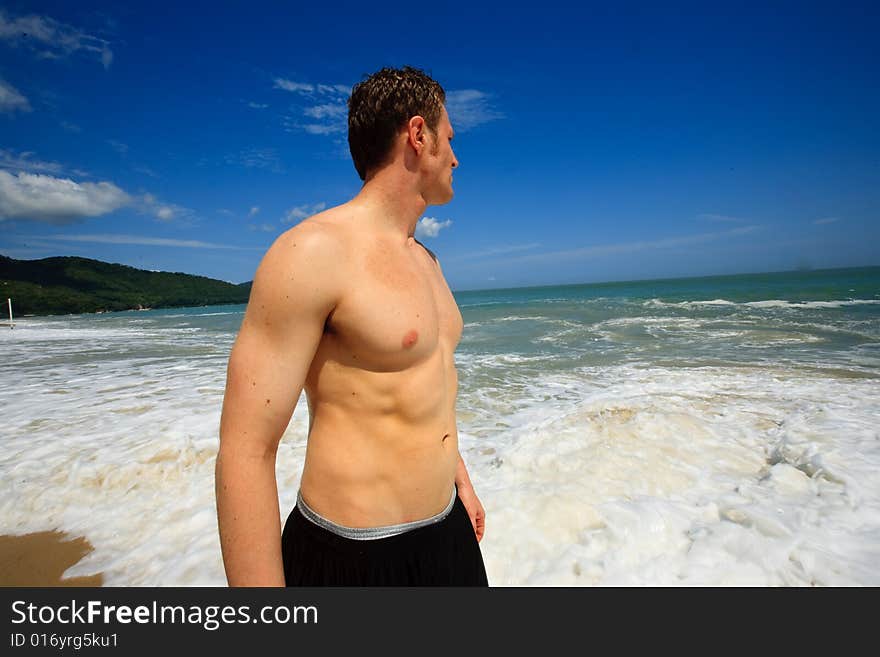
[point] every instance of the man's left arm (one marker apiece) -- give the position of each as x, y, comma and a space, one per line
469, 499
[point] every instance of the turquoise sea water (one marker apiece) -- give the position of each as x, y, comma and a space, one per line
718, 430
823, 318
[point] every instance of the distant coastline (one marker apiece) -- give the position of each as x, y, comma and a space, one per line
72, 285
67, 285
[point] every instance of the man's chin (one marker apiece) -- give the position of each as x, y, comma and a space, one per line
442, 200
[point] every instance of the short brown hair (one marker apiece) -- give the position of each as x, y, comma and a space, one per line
381, 105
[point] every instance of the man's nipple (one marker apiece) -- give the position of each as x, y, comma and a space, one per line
410, 339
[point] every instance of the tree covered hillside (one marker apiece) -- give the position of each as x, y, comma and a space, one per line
69, 284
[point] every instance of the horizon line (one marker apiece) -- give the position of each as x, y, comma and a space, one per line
664, 278
516, 287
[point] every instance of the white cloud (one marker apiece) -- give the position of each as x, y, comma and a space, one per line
149, 204
721, 218
430, 227
300, 212
256, 158
318, 128
29, 194
118, 146
257, 105
11, 99
147, 171
328, 110
468, 108
23, 162
289, 85
328, 113
40, 197
144, 241
826, 220
268, 228
254, 211
52, 39
71, 127
334, 89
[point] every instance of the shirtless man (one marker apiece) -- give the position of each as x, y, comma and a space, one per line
351, 307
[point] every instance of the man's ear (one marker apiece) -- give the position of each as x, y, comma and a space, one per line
416, 133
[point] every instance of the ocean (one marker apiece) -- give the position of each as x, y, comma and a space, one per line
717, 431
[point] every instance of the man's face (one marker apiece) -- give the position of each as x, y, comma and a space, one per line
440, 162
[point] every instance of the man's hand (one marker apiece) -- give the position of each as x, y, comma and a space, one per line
475, 510
469, 498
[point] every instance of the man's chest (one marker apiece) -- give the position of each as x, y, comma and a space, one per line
396, 311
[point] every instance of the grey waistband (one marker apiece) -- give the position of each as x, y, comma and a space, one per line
370, 533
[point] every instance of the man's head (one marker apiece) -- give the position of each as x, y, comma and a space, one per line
382, 105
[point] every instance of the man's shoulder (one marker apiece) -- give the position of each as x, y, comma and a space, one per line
309, 255
316, 238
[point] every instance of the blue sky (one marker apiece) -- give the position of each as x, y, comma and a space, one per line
595, 144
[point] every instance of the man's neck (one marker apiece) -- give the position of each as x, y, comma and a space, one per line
392, 204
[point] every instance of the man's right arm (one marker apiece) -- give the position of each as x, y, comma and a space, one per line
294, 291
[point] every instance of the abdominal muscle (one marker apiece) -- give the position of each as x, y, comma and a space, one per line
382, 446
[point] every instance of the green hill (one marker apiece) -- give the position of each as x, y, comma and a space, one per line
63, 285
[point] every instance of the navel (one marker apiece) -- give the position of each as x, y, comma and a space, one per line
410, 339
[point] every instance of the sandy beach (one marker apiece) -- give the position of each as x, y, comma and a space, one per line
41, 559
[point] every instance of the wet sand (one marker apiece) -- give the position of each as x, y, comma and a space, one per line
40, 560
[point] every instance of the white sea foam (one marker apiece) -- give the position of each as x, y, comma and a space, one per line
745, 331
515, 318
775, 303
657, 303
229, 312
768, 303
666, 477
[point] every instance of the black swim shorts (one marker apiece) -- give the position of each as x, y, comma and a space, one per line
444, 553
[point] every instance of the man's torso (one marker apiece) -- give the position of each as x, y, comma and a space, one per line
381, 389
